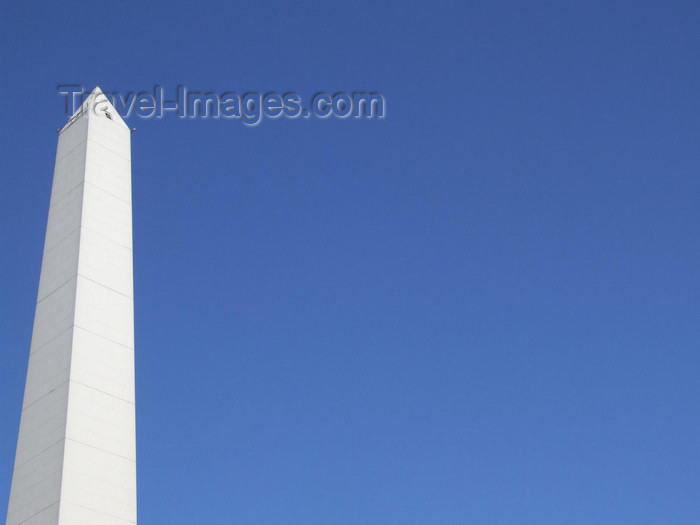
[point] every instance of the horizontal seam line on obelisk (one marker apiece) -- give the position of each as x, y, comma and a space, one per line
100, 449
78, 274
110, 149
37, 513
74, 325
71, 150
109, 239
107, 192
59, 241
59, 199
103, 337
75, 276
66, 194
16, 467
131, 249
94, 185
80, 383
100, 512
32, 352
38, 453
105, 286
102, 391
46, 394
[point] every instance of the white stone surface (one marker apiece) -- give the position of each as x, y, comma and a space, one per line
76, 452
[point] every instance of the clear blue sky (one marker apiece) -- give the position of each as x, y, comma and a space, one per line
483, 309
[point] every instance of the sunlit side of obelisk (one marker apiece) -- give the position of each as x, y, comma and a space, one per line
75, 462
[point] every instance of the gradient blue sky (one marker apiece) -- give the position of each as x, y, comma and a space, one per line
483, 309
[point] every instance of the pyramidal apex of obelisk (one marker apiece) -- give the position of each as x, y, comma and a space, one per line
98, 104
75, 462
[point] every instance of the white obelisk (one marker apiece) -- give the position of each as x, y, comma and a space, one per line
76, 453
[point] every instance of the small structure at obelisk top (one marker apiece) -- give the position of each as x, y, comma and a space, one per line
76, 452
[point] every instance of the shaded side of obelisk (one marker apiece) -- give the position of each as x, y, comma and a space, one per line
75, 462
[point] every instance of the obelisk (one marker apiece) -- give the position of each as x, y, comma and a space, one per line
75, 462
